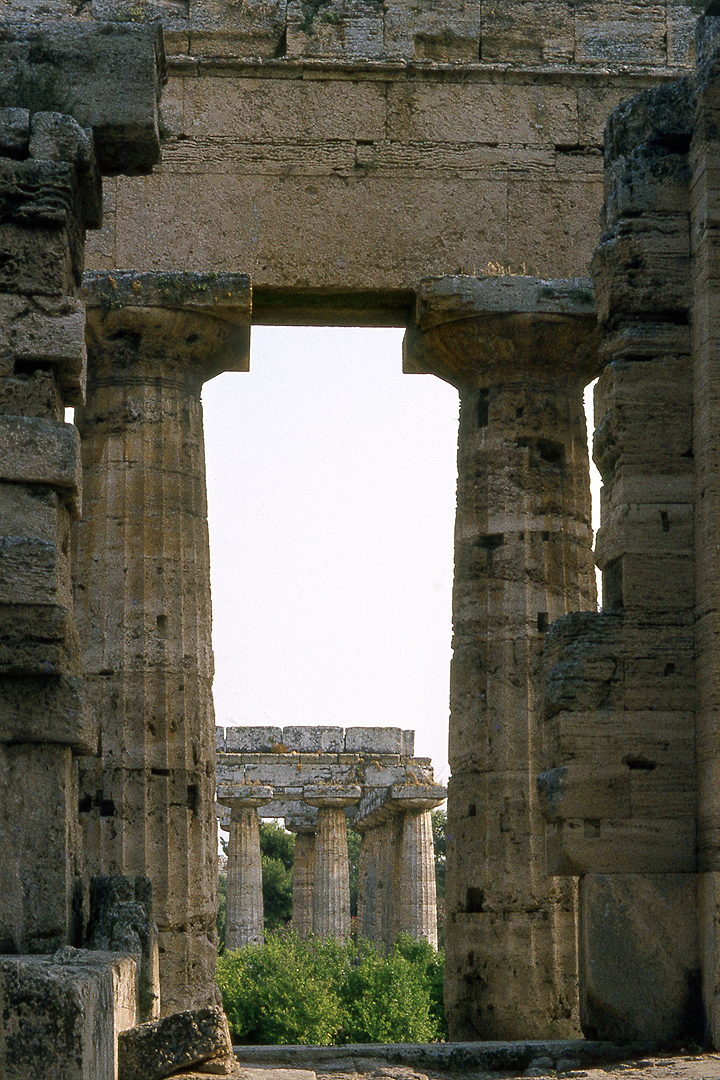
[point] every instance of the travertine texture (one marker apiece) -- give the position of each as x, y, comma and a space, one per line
121, 920
62, 1015
142, 592
520, 352
630, 708
50, 192
159, 1048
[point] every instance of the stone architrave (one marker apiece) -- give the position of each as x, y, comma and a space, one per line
331, 883
520, 351
244, 913
142, 589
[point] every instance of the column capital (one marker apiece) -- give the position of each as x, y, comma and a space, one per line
317, 795
243, 796
198, 321
476, 331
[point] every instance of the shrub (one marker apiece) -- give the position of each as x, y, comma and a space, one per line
322, 992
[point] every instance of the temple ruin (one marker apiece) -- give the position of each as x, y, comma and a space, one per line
353, 163
320, 780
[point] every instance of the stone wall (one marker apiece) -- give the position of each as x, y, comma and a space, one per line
630, 796
353, 148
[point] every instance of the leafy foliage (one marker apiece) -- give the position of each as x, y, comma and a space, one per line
322, 992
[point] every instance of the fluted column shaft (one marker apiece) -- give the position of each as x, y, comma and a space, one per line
520, 353
331, 882
244, 919
303, 884
143, 603
418, 893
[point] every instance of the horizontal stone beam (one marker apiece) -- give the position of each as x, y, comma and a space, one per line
310, 739
106, 75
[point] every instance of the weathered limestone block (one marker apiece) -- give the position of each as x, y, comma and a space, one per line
152, 340
331, 885
121, 920
37, 332
314, 740
520, 352
38, 838
107, 77
256, 739
639, 962
159, 1048
63, 1014
34, 450
244, 911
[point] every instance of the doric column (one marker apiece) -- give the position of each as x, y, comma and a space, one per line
520, 352
303, 883
244, 914
370, 884
331, 886
417, 911
142, 591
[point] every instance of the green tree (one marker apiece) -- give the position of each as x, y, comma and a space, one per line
277, 849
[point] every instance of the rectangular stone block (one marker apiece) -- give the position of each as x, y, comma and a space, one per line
252, 739
34, 450
639, 957
313, 740
43, 332
107, 76
34, 514
626, 846
374, 740
611, 34
220, 740
33, 571
38, 804
525, 32
46, 708
62, 1014
33, 395
36, 261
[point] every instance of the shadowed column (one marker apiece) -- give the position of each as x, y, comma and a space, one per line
143, 599
519, 351
331, 888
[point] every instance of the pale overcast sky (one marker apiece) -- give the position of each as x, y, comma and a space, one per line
331, 491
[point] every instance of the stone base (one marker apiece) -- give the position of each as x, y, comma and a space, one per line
62, 1014
638, 954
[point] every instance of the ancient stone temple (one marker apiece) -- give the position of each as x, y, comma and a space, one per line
322, 780
438, 167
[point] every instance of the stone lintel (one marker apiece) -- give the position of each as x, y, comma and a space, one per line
379, 805
317, 795
243, 796
477, 331
106, 75
201, 320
